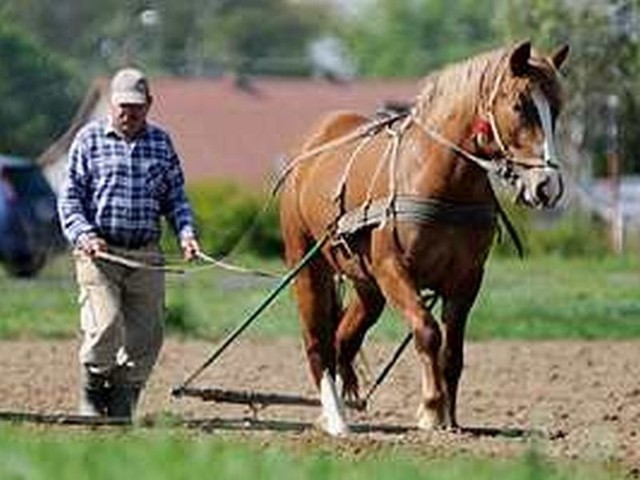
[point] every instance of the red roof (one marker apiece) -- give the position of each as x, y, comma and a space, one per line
222, 130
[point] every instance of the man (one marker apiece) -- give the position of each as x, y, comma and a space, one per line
123, 175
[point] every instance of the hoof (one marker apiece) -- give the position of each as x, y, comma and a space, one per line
430, 419
332, 427
332, 419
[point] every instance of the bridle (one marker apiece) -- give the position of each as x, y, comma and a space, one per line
505, 165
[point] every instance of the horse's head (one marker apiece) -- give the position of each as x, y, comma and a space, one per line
521, 113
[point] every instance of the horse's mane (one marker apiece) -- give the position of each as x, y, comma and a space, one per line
470, 78
475, 78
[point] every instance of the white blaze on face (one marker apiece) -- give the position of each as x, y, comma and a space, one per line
544, 185
544, 112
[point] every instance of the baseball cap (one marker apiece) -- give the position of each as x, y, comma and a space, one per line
129, 85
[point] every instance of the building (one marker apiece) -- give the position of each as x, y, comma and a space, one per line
236, 129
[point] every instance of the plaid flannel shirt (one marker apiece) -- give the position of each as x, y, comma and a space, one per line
119, 190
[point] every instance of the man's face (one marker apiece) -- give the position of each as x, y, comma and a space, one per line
129, 118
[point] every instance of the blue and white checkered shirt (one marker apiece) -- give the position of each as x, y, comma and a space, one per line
119, 190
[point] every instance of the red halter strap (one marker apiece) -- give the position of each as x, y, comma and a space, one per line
482, 127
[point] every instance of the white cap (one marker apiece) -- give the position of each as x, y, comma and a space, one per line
129, 85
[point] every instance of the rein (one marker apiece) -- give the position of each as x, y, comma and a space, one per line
137, 264
211, 261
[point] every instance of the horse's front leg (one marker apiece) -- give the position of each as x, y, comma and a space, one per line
401, 292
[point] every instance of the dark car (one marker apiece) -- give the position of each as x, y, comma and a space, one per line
29, 227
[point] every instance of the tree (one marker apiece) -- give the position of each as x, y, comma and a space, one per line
178, 37
38, 93
77, 29
263, 36
413, 37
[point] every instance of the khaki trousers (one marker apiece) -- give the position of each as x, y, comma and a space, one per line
121, 314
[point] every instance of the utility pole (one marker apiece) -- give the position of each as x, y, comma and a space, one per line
621, 29
616, 218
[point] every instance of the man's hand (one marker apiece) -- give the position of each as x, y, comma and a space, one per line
190, 248
92, 245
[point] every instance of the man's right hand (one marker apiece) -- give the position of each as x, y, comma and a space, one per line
92, 245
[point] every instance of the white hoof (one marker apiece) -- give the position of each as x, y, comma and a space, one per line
429, 419
332, 419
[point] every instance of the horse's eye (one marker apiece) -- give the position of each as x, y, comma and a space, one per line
526, 110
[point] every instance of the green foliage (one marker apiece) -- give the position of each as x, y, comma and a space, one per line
571, 234
179, 315
37, 90
413, 37
255, 36
171, 454
185, 37
574, 235
230, 217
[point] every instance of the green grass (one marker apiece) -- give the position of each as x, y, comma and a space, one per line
550, 298
42, 307
34, 454
536, 298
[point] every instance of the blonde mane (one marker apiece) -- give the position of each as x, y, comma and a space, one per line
473, 81
473, 78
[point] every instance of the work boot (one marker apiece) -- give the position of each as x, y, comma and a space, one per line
123, 400
136, 390
94, 394
123, 394
120, 401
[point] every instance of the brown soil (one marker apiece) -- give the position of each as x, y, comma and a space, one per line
579, 400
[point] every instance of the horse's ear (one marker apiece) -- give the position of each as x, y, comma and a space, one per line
560, 55
519, 59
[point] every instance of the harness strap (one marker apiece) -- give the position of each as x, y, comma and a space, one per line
408, 208
511, 230
369, 128
425, 210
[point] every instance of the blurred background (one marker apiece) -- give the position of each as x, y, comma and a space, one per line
237, 82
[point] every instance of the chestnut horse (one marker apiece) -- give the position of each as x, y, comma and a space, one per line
408, 206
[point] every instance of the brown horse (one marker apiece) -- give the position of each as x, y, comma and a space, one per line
408, 205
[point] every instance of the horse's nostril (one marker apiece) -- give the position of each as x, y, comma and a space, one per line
542, 193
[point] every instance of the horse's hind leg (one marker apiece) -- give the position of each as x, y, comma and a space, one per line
317, 303
361, 313
319, 309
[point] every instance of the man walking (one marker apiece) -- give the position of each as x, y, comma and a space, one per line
123, 175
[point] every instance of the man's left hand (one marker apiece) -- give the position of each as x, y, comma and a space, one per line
190, 248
